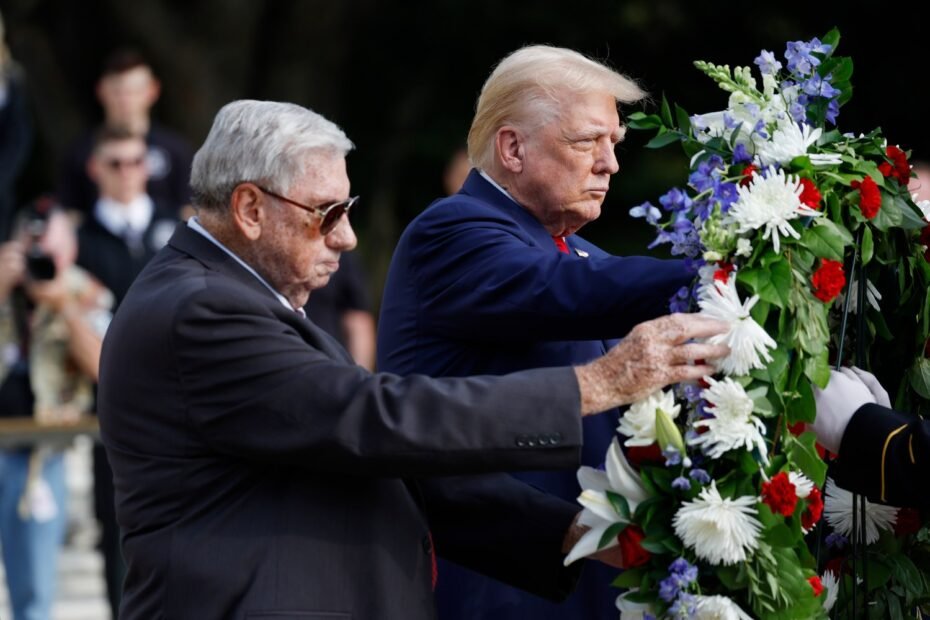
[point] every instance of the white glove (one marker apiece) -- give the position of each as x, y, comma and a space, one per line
836, 404
881, 396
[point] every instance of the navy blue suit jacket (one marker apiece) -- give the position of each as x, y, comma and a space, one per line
477, 286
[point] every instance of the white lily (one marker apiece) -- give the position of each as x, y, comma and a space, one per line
599, 513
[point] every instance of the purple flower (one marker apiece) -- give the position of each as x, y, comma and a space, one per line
819, 86
729, 122
684, 607
798, 111
759, 129
767, 63
648, 211
668, 589
799, 55
741, 155
681, 301
681, 483
833, 108
699, 475
707, 171
726, 194
836, 541
672, 456
684, 569
675, 200
691, 392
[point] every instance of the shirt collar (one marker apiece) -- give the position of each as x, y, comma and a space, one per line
121, 218
195, 224
496, 185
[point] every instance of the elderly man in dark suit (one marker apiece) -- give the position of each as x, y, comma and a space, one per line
495, 279
259, 473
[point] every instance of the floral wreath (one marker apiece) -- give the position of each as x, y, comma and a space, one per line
716, 495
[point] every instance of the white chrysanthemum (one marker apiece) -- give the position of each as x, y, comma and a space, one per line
838, 511
770, 202
630, 610
639, 421
718, 608
748, 342
831, 589
872, 296
826, 159
733, 425
790, 140
802, 484
721, 531
599, 514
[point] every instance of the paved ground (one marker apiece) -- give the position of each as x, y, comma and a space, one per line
81, 589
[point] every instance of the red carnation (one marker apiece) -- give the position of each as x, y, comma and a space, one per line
814, 509
631, 550
810, 195
637, 455
723, 271
899, 168
870, 198
828, 280
908, 522
816, 585
747, 173
780, 495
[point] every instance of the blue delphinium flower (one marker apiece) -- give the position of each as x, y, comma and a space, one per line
833, 108
681, 301
725, 194
707, 171
819, 86
741, 155
675, 199
836, 541
691, 392
668, 589
684, 570
699, 475
681, 483
685, 606
767, 63
648, 211
799, 55
672, 456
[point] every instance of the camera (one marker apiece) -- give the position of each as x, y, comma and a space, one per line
39, 265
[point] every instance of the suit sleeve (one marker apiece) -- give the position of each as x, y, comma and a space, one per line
503, 528
254, 388
478, 275
884, 455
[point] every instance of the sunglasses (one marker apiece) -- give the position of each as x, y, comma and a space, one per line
119, 164
330, 214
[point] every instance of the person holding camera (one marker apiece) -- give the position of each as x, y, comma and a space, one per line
52, 318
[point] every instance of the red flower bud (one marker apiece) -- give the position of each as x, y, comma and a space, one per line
747, 173
810, 195
814, 509
780, 495
637, 455
633, 553
870, 197
816, 585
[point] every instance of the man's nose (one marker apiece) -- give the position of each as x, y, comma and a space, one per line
607, 159
342, 237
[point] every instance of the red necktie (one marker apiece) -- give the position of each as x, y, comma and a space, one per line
560, 243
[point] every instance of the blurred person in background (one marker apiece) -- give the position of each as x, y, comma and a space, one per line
494, 279
123, 231
15, 132
127, 90
52, 318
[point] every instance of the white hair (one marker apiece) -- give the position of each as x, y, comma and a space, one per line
526, 88
263, 142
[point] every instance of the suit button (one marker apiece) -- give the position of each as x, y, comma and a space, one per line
531, 441
555, 439
521, 441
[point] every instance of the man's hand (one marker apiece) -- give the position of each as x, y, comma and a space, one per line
653, 355
612, 556
12, 267
837, 403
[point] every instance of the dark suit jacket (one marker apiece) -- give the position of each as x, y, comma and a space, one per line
259, 473
477, 285
884, 456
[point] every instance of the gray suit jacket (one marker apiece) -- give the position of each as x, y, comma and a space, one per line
260, 474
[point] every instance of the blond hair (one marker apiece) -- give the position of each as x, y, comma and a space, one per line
527, 86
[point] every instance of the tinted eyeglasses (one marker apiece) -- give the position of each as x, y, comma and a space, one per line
330, 214
118, 164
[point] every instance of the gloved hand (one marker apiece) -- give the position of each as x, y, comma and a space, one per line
881, 396
837, 403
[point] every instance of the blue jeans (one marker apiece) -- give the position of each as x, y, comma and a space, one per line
30, 548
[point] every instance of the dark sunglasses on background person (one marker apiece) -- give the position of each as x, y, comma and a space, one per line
118, 164
330, 214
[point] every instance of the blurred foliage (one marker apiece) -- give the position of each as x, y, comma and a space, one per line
402, 78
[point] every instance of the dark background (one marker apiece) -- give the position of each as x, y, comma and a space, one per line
402, 78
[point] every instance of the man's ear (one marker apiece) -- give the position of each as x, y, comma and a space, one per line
247, 204
508, 143
92, 167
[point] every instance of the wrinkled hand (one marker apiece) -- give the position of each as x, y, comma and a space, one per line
653, 355
837, 403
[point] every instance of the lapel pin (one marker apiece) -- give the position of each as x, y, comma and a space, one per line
581, 253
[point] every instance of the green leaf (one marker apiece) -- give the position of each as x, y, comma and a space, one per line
919, 376
826, 239
663, 139
630, 578
802, 408
666, 112
653, 545
868, 246
889, 215
733, 577
771, 284
639, 120
619, 504
803, 454
832, 39
684, 121
776, 372
781, 535
911, 218
817, 369
905, 572
610, 534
